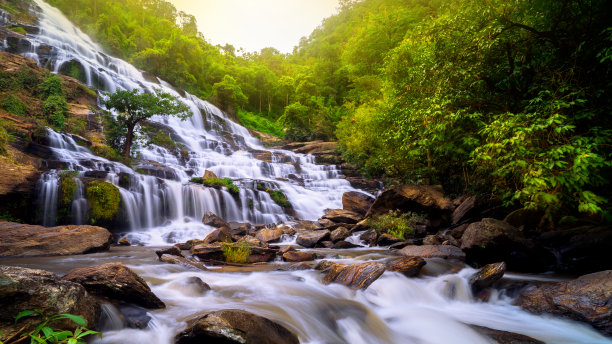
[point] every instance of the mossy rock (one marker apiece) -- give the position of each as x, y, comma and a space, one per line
104, 199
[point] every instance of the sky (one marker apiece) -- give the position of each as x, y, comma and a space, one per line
257, 24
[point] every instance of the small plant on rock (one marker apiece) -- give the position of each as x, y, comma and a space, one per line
236, 253
399, 225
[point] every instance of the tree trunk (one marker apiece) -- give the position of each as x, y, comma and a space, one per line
128, 141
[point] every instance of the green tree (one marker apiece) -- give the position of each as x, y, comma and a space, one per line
228, 94
134, 107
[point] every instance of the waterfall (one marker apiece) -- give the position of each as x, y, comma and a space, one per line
162, 204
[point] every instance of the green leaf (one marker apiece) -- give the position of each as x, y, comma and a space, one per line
75, 318
27, 313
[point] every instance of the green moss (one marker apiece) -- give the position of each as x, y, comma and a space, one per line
13, 105
19, 30
279, 197
103, 200
217, 183
67, 186
396, 224
74, 69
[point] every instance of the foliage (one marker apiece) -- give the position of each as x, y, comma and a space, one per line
399, 225
134, 107
18, 29
67, 186
4, 139
279, 197
259, 123
55, 108
217, 183
236, 253
51, 86
13, 105
103, 199
228, 93
44, 334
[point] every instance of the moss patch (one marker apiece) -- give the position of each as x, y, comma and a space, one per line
103, 200
67, 186
217, 183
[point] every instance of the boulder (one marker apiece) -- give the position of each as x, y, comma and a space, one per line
342, 244
269, 234
173, 251
504, 337
357, 202
171, 259
339, 233
493, 240
370, 237
115, 281
486, 276
387, 239
527, 219
305, 226
235, 326
326, 244
343, 216
463, 210
211, 219
433, 251
310, 239
427, 199
325, 222
299, 256
18, 239
209, 175
409, 266
221, 234
458, 231
587, 299
354, 276
214, 252
28, 289
432, 240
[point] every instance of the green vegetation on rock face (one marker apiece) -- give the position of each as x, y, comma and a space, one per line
399, 225
236, 253
104, 199
67, 187
260, 123
218, 182
4, 139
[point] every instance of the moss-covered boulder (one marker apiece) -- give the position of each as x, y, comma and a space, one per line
103, 199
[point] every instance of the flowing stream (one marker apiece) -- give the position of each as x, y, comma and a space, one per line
161, 207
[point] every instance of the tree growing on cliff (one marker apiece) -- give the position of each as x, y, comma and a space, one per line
135, 107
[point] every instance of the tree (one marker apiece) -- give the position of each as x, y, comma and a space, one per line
228, 94
135, 107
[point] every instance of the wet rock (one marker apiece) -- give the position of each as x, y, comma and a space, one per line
252, 241
299, 256
115, 281
310, 239
159, 171
427, 199
433, 251
173, 251
409, 266
343, 216
587, 299
458, 231
527, 219
386, 239
503, 337
355, 276
199, 286
326, 244
235, 326
124, 242
339, 233
18, 239
209, 175
432, 240
324, 265
305, 226
208, 252
357, 202
171, 259
342, 244
219, 235
27, 289
493, 240
370, 237
134, 316
369, 185
325, 222
463, 210
214, 252
486, 276
211, 219
285, 249
269, 234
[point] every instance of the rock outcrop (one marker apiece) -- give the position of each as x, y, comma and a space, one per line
343, 216
115, 281
234, 327
357, 202
18, 239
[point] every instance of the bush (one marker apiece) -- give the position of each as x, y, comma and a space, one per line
103, 200
13, 105
395, 224
279, 197
217, 183
55, 107
44, 334
51, 86
259, 123
236, 253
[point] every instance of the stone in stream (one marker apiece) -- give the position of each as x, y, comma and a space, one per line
370, 237
115, 281
310, 239
433, 251
343, 244
211, 219
221, 234
463, 210
503, 337
357, 202
17, 239
214, 252
171, 259
486, 276
587, 298
298, 256
387, 239
172, 250
354, 276
269, 234
235, 326
27, 289
343, 216
409, 266
339, 233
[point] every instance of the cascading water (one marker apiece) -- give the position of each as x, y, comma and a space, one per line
167, 208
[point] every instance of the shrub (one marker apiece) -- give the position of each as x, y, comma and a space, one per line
55, 107
44, 334
236, 253
51, 86
13, 105
279, 197
259, 123
217, 183
103, 200
395, 224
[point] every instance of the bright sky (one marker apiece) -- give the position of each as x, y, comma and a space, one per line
257, 24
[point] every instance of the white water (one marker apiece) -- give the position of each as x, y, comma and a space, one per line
170, 210
394, 309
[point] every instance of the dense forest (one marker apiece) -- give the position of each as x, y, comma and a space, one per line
508, 98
